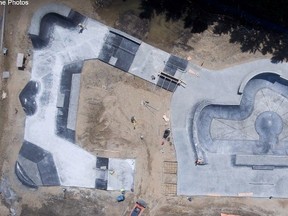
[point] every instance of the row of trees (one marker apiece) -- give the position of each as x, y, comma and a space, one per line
255, 24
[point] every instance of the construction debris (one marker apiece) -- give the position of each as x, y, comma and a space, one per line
4, 95
193, 72
166, 119
6, 75
149, 107
82, 27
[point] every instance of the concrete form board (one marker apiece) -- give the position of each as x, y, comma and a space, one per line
20, 60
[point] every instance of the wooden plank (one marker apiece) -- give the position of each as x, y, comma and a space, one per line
20, 60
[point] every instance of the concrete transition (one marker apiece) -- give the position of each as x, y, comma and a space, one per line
232, 120
241, 137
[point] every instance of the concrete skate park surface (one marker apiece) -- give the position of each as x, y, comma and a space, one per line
233, 120
49, 155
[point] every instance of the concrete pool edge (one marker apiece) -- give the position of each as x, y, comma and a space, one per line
184, 102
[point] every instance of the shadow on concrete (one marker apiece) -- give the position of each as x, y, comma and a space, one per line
27, 97
49, 21
35, 166
268, 124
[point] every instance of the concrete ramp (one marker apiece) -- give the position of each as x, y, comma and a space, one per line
261, 160
60, 9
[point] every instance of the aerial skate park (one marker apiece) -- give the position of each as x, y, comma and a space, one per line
233, 120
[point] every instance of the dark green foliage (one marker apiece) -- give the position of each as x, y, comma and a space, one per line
258, 25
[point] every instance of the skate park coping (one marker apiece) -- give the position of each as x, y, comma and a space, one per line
60, 9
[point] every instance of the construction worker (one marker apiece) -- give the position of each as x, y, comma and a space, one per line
133, 121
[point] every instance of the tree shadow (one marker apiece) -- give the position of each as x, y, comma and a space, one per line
253, 38
193, 12
255, 28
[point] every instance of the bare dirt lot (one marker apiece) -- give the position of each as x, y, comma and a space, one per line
109, 98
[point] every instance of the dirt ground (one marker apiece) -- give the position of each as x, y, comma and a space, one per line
108, 100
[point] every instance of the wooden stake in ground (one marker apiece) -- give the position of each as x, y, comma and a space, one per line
133, 121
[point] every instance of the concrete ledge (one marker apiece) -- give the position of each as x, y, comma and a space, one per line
252, 75
116, 31
73, 102
192, 126
261, 160
60, 9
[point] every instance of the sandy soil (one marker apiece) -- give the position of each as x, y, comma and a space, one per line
109, 98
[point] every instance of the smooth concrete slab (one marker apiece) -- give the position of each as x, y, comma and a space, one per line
73, 102
121, 174
148, 63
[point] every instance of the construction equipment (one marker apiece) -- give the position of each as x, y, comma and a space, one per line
139, 207
120, 198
